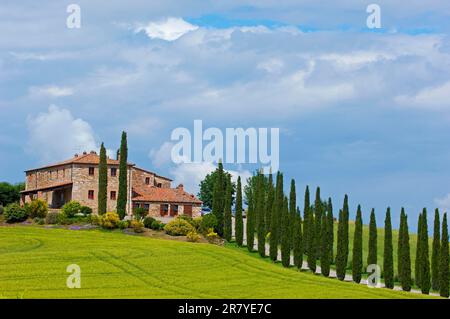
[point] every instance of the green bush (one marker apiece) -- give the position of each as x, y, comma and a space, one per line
94, 219
52, 218
139, 213
39, 220
148, 221
212, 236
193, 236
85, 210
14, 213
137, 226
208, 221
110, 220
122, 224
197, 223
71, 208
178, 227
1, 209
157, 225
37, 208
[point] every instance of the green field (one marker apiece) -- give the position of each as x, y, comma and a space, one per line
33, 263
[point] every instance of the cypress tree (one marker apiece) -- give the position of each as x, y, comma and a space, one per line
418, 252
399, 245
123, 188
425, 280
306, 210
435, 252
373, 245
250, 229
357, 247
298, 241
285, 235
275, 220
405, 255
318, 222
292, 211
311, 250
269, 202
325, 246
340, 265
388, 262
102, 181
330, 219
443, 261
260, 204
239, 224
227, 228
346, 214
218, 201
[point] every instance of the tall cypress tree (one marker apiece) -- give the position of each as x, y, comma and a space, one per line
275, 220
325, 256
400, 244
102, 181
436, 251
123, 188
218, 201
373, 245
292, 211
318, 222
388, 262
285, 235
346, 214
311, 247
269, 202
250, 229
425, 280
443, 261
405, 255
340, 268
306, 210
261, 228
239, 224
227, 228
357, 247
298, 241
418, 259
330, 219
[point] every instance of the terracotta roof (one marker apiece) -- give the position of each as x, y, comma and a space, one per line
89, 158
170, 195
57, 185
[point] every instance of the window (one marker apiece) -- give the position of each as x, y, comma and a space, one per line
159, 185
147, 180
113, 195
113, 171
91, 194
91, 171
147, 206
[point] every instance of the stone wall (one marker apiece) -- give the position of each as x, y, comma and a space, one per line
48, 176
139, 177
154, 209
164, 182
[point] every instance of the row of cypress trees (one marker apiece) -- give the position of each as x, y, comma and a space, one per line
276, 221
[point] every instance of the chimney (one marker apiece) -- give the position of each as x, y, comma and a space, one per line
84, 153
76, 155
180, 187
94, 152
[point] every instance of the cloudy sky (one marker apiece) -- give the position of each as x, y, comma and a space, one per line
360, 111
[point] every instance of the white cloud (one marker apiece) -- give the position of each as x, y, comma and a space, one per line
169, 29
51, 90
145, 126
162, 155
436, 97
57, 135
443, 203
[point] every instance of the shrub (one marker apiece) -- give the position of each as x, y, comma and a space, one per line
208, 221
85, 210
15, 214
110, 220
186, 218
148, 221
137, 226
39, 220
139, 213
193, 236
122, 224
1, 209
94, 219
178, 227
212, 236
37, 208
71, 208
52, 218
157, 225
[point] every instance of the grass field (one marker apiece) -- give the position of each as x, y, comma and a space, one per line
33, 263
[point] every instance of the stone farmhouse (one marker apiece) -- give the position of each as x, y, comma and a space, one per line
77, 179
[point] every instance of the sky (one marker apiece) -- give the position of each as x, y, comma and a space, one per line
363, 112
